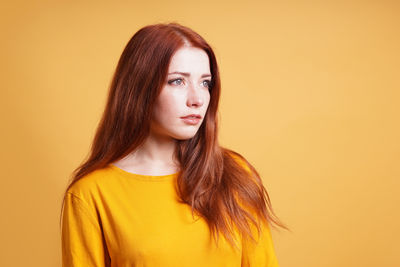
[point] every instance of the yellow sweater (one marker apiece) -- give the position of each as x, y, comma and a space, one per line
116, 218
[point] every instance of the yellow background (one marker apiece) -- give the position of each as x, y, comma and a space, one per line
310, 96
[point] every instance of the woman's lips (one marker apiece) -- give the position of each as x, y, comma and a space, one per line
191, 119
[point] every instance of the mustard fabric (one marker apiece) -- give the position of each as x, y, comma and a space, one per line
112, 217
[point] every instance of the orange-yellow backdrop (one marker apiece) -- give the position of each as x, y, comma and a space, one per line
310, 97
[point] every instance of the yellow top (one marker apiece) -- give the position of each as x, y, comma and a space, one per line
116, 218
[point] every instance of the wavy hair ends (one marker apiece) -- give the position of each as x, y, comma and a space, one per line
218, 183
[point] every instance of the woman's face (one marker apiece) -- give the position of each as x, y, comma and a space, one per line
185, 93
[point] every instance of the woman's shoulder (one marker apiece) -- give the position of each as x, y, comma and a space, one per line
241, 160
90, 184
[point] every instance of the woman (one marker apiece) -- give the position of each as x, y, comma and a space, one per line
157, 188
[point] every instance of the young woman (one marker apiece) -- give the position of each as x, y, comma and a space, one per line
157, 189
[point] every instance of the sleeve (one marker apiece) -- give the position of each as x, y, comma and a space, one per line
81, 237
261, 253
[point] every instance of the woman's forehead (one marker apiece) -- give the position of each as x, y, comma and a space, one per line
190, 60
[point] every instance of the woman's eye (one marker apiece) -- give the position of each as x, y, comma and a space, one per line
207, 83
175, 81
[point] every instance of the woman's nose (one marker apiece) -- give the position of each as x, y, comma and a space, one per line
194, 96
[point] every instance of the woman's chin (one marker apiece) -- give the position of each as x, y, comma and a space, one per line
184, 136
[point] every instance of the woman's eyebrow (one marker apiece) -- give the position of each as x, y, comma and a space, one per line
187, 74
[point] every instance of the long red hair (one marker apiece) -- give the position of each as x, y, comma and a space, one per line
218, 183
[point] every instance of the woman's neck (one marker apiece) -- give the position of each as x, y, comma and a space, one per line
154, 157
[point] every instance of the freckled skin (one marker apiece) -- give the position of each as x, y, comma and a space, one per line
182, 95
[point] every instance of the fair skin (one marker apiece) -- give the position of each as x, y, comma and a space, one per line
185, 92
